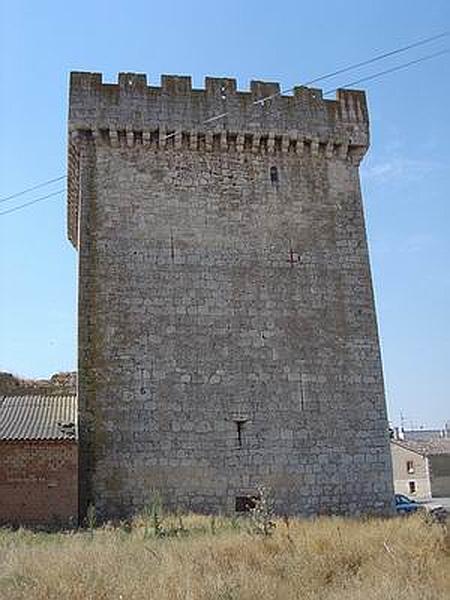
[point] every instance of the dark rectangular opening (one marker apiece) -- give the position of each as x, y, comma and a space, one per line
292, 146
232, 141
154, 137
263, 143
240, 423
248, 142
185, 139
245, 503
216, 141
122, 136
201, 141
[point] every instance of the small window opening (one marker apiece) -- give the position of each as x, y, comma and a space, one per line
154, 137
245, 503
239, 432
185, 139
104, 134
410, 466
412, 487
248, 142
232, 141
273, 175
216, 141
292, 146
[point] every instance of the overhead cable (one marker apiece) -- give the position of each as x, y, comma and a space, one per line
5, 212
351, 67
34, 187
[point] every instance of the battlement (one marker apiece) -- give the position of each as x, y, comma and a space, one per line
132, 105
218, 118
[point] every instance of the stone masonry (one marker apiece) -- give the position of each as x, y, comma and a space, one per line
227, 330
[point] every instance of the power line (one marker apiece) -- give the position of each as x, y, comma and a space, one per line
391, 70
5, 212
351, 67
30, 189
343, 70
376, 58
287, 91
357, 81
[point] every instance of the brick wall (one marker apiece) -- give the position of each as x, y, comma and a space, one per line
38, 483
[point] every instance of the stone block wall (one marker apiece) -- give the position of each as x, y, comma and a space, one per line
227, 331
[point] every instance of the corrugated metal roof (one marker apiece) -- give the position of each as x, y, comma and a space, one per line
38, 418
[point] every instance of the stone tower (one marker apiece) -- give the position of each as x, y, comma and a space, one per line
227, 330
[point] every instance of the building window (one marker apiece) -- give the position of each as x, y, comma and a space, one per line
239, 431
412, 487
410, 466
245, 503
274, 175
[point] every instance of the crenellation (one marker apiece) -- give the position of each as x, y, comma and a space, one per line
176, 85
219, 106
132, 83
262, 91
220, 87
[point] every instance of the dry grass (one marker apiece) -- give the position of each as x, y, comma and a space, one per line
217, 559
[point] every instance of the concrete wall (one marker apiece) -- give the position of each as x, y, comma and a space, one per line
38, 483
227, 332
418, 475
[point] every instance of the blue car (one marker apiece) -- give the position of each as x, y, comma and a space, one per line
405, 506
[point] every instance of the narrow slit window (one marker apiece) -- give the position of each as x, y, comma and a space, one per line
412, 487
239, 432
410, 466
274, 175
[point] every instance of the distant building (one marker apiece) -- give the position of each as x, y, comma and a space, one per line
421, 468
38, 460
411, 471
421, 435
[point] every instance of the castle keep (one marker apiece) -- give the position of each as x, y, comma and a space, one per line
227, 330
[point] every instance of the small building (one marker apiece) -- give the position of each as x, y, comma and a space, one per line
38, 460
421, 468
425, 435
411, 470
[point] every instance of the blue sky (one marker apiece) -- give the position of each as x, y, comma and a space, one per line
405, 176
